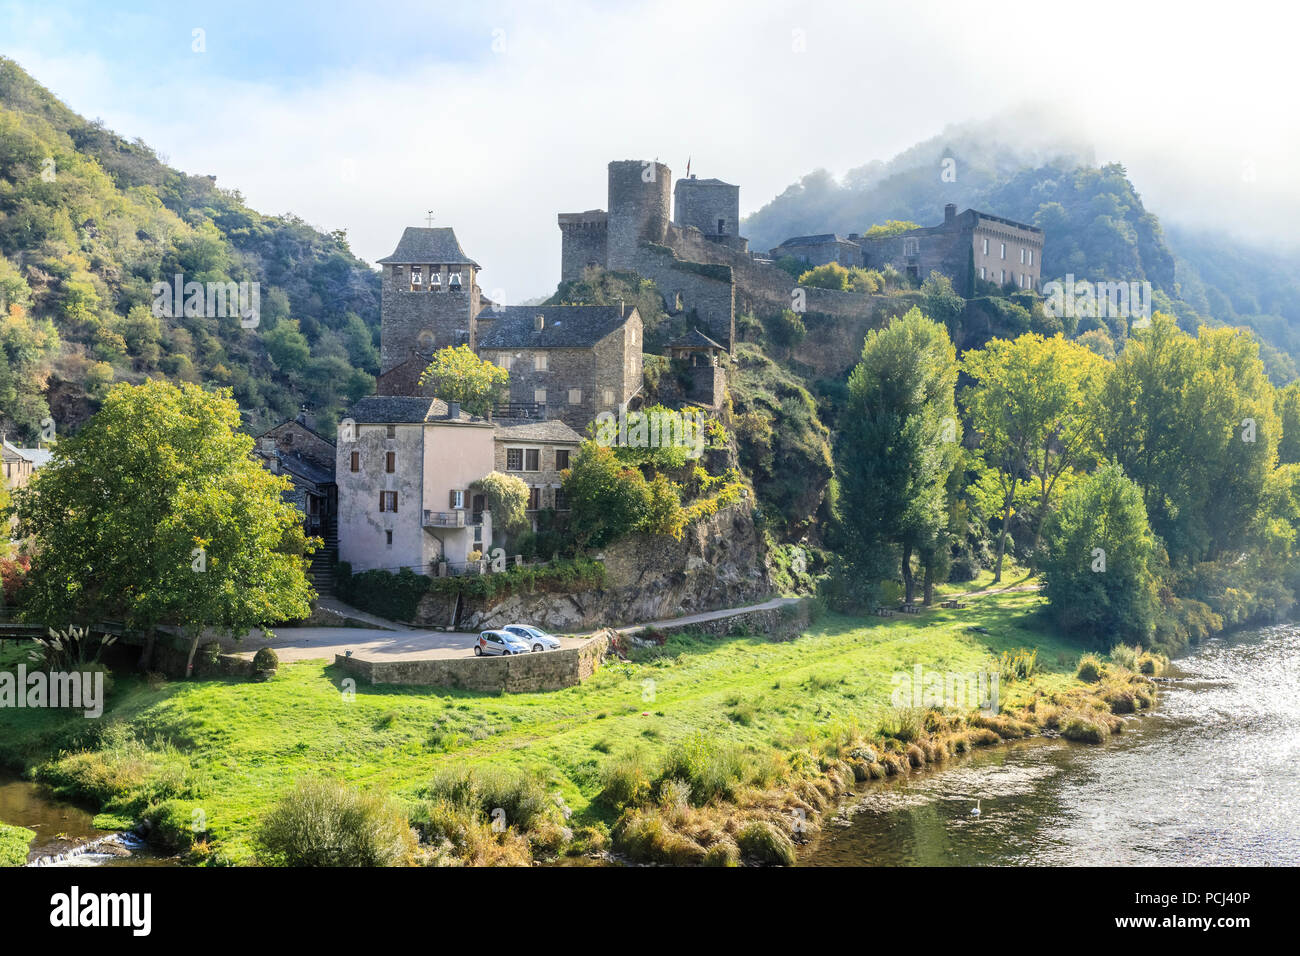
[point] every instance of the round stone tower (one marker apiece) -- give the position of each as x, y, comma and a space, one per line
640, 194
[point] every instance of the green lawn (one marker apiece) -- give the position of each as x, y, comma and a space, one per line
243, 744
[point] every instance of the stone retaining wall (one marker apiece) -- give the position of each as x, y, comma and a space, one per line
549, 670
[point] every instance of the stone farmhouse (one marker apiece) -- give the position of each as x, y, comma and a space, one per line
567, 362
999, 250
21, 463
406, 466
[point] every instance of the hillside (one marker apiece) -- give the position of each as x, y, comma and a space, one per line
1096, 224
90, 221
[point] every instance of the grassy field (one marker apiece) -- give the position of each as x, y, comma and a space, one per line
235, 747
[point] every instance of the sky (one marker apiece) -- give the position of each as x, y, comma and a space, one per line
497, 116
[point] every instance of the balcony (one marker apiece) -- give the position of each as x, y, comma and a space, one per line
445, 519
530, 410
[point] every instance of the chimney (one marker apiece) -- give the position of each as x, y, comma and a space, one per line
453, 410
949, 212
539, 322
620, 307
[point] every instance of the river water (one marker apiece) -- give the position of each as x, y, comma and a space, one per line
1210, 778
65, 832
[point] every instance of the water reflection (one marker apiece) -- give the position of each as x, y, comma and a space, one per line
1210, 778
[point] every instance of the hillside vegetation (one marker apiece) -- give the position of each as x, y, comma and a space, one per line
90, 221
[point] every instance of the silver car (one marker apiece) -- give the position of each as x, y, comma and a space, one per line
500, 642
538, 639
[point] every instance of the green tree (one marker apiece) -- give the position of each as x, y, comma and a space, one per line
891, 227
1288, 407
1033, 402
608, 500
1098, 570
1194, 423
832, 275
458, 375
287, 346
507, 499
157, 513
899, 444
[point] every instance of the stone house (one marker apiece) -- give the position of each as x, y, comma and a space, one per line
569, 362
998, 250
537, 452
404, 467
294, 449
819, 250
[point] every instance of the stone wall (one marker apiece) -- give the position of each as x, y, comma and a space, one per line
778, 623
521, 673
720, 562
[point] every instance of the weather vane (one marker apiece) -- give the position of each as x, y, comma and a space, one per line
429, 218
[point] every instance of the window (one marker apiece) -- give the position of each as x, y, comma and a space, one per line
561, 500
607, 396
456, 499
1022, 256
1002, 275
388, 538
575, 396
539, 362
532, 459
722, 227
388, 501
391, 432
561, 459
534, 499
514, 459
539, 396
1004, 249
453, 282
435, 279
505, 360
356, 461
390, 462
1031, 257
986, 247
981, 272
417, 279
911, 247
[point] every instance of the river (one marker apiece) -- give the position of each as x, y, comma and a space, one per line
65, 832
1210, 778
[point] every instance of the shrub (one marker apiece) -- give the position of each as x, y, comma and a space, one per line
722, 853
266, 660
713, 770
327, 823
173, 825
485, 790
1083, 728
763, 842
15, 843
124, 775
644, 836
625, 781
1090, 668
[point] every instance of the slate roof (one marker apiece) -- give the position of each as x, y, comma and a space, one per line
39, 457
695, 339
565, 326
551, 430
301, 467
813, 240
429, 246
704, 182
404, 410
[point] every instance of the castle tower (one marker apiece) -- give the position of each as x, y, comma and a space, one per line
430, 300
711, 206
639, 203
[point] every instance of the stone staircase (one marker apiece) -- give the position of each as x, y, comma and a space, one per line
321, 571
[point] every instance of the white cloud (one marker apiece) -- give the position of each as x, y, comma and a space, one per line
498, 143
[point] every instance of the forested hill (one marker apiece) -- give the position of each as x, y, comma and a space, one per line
1095, 222
89, 222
